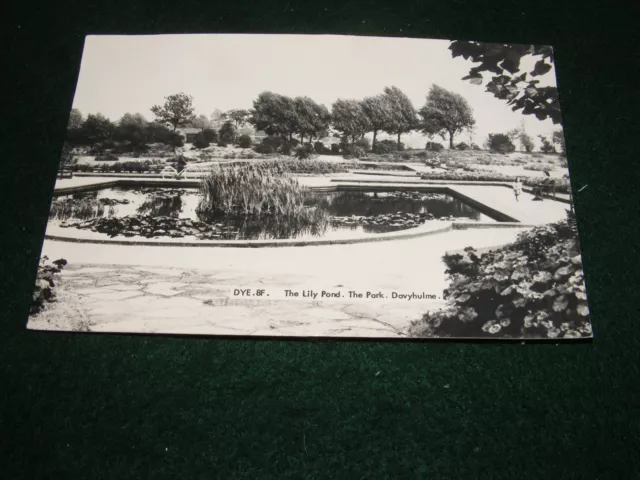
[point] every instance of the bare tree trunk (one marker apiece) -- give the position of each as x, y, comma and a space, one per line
399, 138
451, 140
375, 134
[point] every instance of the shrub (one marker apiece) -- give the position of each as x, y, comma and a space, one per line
106, 157
353, 151
475, 147
423, 155
43, 291
227, 132
178, 139
157, 132
500, 143
222, 143
405, 156
335, 149
285, 148
533, 288
363, 143
462, 146
210, 135
201, 141
381, 148
320, 148
434, 147
272, 141
181, 163
387, 146
547, 146
304, 152
244, 141
265, 149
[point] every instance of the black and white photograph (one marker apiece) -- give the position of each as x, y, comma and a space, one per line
390, 188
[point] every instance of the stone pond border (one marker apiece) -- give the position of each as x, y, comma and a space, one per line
400, 234
503, 220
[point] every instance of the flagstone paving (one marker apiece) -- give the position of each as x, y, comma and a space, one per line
186, 289
132, 299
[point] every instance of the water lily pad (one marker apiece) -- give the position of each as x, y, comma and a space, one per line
560, 303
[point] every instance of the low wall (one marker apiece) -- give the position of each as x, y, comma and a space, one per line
382, 237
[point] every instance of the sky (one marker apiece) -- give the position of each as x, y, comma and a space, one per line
121, 74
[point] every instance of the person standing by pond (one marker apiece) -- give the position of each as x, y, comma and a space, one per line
517, 189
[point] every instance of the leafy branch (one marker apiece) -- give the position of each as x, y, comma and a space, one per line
519, 88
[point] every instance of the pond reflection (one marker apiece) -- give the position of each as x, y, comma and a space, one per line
343, 204
316, 220
161, 206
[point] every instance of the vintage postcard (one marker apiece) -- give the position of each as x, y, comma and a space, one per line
313, 186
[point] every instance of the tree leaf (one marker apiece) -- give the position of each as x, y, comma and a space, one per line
540, 68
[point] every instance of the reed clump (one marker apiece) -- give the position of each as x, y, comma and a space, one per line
82, 208
255, 189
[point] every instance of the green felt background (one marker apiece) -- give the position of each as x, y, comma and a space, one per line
129, 407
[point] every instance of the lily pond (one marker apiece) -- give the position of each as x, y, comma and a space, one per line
161, 212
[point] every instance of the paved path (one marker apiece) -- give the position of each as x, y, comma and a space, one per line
525, 210
186, 290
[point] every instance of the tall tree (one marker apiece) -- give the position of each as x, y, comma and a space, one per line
519, 88
274, 114
312, 119
547, 146
445, 113
75, 134
133, 128
201, 121
239, 117
97, 128
558, 139
75, 120
66, 157
403, 115
177, 110
218, 117
350, 119
378, 111
228, 132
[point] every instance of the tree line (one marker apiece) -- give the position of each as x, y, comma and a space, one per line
444, 113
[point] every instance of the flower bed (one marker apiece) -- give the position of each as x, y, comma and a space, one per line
311, 166
533, 288
147, 166
396, 168
155, 166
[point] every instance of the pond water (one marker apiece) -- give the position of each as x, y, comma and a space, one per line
392, 211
